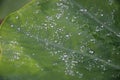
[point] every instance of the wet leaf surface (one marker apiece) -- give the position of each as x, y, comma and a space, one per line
62, 40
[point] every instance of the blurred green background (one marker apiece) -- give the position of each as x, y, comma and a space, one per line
9, 6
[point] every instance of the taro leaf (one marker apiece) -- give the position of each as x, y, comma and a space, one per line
62, 40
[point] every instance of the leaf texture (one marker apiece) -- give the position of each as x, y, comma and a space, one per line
62, 40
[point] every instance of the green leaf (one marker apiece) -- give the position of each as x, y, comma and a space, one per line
8, 6
61, 40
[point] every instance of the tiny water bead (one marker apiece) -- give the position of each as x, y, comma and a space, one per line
69, 61
98, 29
118, 35
117, 53
91, 52
37, 3
67, 36
102, 26
83, 10
18, 29
37, 11
14, 43
16, 57
54, 64
66, 18
79, 33
33, 54
109, 61
59, 4
58, 16
64, 57
111, 2
101, 15
12, 25
16, 17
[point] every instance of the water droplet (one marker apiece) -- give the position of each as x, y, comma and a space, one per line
11, 25
73, 20
59, 4
14, 42
97, 29
65, 55
109, 60
110, 2
42, 69
60, 29
68, 14
102, 26
83, 10
96, 59
66, 17
67, 36
37, 11
69, 72
17, 53
101, 14
79, 33
74, 62
82, 57
51, 26
91, 52
55, 52
92, 40
104, 68
55, 41
33, 54
58, 16
80, 75
117, 53
18, 29
17, 17
37, 65
55, 64
16, 57
49, 18
118, 34
108, 34
38, 3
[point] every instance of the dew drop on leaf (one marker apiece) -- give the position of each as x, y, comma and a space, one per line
79, 33
18, 29
101, 14
12, 25
91, 52
16, 17
67, 36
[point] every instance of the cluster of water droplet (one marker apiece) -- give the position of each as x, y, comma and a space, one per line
55, 42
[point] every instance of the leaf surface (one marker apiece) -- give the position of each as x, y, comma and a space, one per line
62, 40
9, 6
